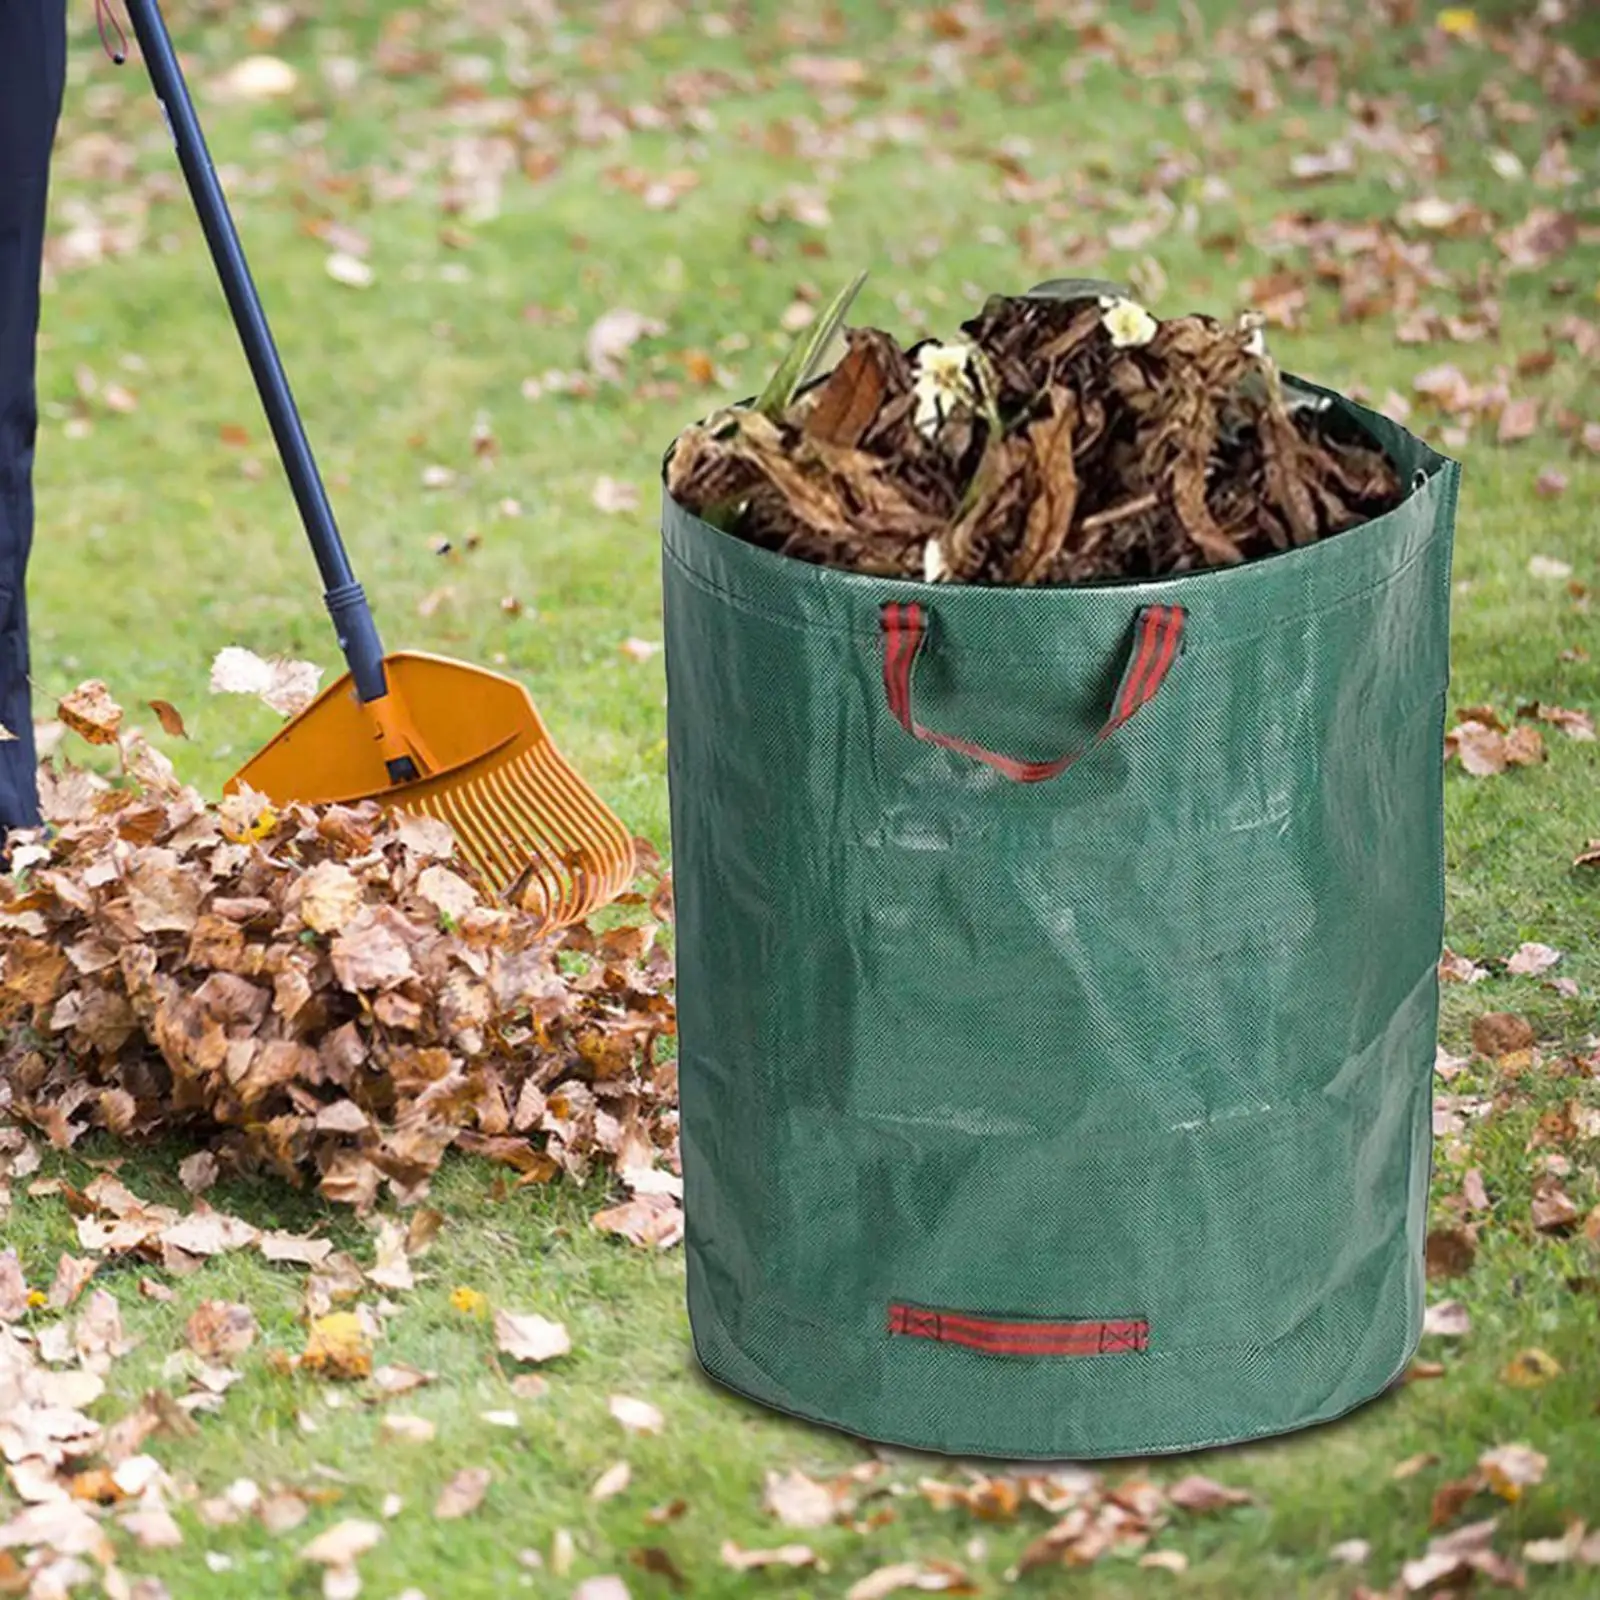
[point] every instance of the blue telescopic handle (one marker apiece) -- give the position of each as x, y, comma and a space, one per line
346, 601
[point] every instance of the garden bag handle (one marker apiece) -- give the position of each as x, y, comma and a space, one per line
1157, 639
346, 601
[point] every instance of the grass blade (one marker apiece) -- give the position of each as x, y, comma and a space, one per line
807, 350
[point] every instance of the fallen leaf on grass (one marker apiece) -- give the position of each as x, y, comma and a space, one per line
337, 1347
1556, 1552
1518, 419
1548, 567
931, 1577
1511, 1468
218, 1330
1449, 1319
992, 1499
1496, 1034
13, 1288
528, 1337
350, 270
1350, 1552
1530, 1369
1458, 1556
1530, 959
1412, 1465
72, 1278
1459, 969
1450, 1252
653, 1559
651, 1221
256, 78
563, 1550
639, 649
799, 1501
463, 1494
607, 1586
1551, 483
392, 1268
406, 1429
343, 1543
1449, 1499
1164, 1561
292, 1247
636, 1416
1577, 725
1553, 1209
1485, 752
614, 495
469, 1302
152, 1527
783, 1555
1198, 1494
613, 335
611, 1482
91, 713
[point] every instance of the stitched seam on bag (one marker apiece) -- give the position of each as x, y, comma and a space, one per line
1200, 633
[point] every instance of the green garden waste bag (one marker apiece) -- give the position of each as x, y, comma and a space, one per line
1050, 1107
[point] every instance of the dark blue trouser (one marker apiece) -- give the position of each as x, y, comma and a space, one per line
33, 49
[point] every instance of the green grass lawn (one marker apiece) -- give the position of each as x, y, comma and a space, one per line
969, 149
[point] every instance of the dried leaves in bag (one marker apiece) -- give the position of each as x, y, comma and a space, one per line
1068, 437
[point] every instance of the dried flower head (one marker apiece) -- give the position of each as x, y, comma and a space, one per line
1128, 323
943, 382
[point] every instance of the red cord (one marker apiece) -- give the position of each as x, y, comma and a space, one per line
102, 14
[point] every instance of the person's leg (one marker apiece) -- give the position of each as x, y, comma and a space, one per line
33, 51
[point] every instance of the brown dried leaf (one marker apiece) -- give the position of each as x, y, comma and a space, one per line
91, 713
1501, 1033
786, 1555
463, 1494
219, 1330
1198, 1494
1450, 1252
170, 717
937, 1577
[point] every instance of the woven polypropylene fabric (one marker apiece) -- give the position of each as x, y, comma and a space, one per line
1149, 1041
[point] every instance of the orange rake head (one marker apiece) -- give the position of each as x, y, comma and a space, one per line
485, 765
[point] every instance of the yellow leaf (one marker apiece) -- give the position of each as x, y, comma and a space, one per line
1530, 1368
1460, 22
246, 818
469, 1302
338, 1347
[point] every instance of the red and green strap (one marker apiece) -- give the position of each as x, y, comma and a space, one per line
1158, 635
1012, 1337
